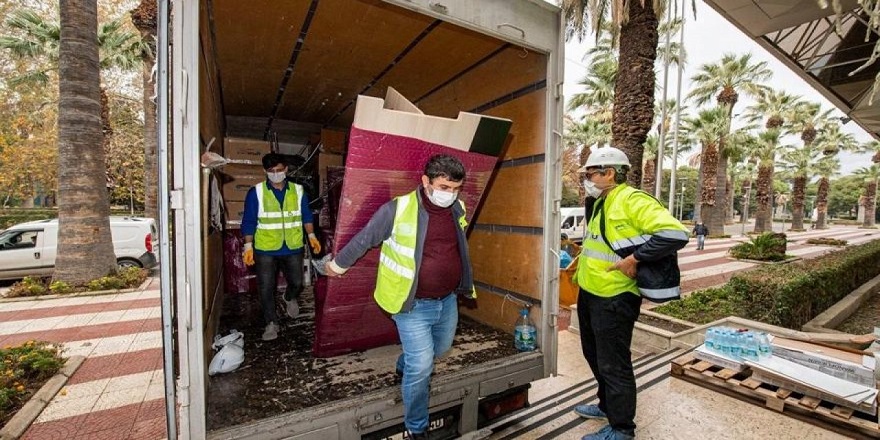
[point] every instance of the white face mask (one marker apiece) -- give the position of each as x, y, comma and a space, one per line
591, 189
276, 177
442, 199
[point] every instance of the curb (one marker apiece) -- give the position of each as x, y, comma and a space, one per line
140, 288
22, 420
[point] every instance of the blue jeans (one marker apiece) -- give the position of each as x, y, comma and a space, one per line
701, 241
426, 333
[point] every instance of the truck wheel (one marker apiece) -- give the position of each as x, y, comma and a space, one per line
123, 263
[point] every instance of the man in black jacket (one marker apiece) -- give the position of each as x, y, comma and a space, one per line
700, 231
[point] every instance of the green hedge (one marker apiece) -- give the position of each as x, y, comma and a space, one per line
786, 295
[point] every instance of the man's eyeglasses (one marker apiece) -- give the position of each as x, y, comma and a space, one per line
588, 174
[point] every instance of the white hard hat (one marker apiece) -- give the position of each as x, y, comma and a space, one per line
227, 359
605, 157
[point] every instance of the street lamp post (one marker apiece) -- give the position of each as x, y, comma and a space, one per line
745, 209
681, 198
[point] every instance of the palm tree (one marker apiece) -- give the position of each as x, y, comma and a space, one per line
708, 128
739, 145
799, 164
768, 143
826, 168
870, 175
85, 247
635, 23
144, 19
598, 98
38, 41
724, 81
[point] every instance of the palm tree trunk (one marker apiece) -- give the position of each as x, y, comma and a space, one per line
764, 214
870, 204
797, 202
634, 90
709, 166
698, 205
822, 203
85, 246
144, 18
715, 222
648, 178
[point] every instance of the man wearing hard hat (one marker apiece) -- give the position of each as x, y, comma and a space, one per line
629, 252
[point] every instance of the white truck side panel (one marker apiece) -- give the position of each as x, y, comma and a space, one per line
186, 208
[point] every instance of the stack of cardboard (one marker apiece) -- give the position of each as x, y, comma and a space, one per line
237, 181
241, 150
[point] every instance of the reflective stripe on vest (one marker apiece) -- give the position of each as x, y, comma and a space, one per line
397, 262
277, 224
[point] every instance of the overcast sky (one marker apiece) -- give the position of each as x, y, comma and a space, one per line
706, 39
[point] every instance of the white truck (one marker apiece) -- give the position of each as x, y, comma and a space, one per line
287, 69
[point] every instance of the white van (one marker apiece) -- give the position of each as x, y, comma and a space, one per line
573, 223
29, 249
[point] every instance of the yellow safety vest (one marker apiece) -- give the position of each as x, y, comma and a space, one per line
623, 229
277, 224
397, 259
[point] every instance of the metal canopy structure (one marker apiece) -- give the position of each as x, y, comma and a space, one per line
821, 48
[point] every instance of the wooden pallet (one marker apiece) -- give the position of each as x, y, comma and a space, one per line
809, 409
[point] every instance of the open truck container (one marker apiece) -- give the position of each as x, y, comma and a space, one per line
293, 67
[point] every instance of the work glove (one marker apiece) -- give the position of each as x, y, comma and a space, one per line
248, 254
314, 243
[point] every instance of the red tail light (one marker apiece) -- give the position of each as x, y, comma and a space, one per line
148, 242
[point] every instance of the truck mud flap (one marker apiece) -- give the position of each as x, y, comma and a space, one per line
443, 425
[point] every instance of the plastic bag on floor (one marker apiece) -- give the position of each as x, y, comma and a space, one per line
230, 355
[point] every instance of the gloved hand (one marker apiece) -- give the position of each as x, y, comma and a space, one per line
248, 254
314, 243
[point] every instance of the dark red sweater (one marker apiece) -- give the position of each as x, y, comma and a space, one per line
440, 272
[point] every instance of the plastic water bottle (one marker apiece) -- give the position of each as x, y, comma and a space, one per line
736, 346
711, 338
525, 335
751, 348
765, 350
723, 344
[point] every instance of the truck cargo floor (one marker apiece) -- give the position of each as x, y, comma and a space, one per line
282, 375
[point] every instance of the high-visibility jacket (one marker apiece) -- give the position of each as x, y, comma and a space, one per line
278, 223
634, 223
397, 260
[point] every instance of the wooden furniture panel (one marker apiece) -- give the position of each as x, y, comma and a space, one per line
509, 261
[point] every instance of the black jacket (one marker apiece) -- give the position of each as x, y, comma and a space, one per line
701, 230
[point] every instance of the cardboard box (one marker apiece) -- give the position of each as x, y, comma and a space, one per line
326, 160
251, 150
234, 211
333, 141
851, 366
238, 180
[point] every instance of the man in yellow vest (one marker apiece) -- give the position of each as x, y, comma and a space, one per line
423, 264
275, 213
629, 252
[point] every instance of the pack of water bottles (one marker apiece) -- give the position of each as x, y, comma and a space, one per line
738, 344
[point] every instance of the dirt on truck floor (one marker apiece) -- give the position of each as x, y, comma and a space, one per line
282, 376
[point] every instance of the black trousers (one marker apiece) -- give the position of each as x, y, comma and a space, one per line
606, 327
267, 280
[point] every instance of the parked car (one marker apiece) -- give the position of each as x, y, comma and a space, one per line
572, 224
29, 249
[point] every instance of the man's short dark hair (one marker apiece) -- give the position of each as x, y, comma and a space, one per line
272, 159
444, 165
